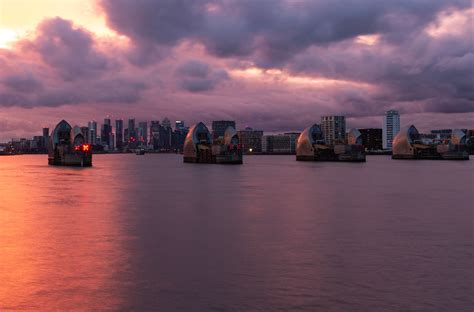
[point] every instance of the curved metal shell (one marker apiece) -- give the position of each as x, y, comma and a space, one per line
354, 137
61, 132
198, 134
306, 140
458, 137
230, 136
76, 136
403, 142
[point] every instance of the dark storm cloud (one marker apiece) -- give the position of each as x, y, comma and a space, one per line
14, 99
22, 83
316, 38
272, 30
196, 76
164, 22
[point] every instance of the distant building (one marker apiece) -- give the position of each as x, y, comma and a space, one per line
166, 134
470, 141
179, 135
442, 134
143, 133
119, 134
46, 133
391, 126
293, 139
251, 140
179, 125
278, 144
372, 138
155, 134
92, 137
46, 138
166, 123
220, 126
105, 134
334, 129
131, 138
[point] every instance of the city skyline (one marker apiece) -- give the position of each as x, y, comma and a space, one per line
375, 122
235, 60
161, 136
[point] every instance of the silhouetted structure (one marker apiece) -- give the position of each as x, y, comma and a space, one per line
198, 146
312, 146
409, 145
371, 138
251, 140
220, 126
68, 147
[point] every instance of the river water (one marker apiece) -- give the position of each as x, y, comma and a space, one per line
149, 233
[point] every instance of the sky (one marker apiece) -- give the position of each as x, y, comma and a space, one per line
275, 65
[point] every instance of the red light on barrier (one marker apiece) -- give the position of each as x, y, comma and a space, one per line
86, 147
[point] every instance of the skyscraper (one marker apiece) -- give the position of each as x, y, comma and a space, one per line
166, 123
334, 129
155, 134
179, 125
105, 134
132, 135
143, 133
391, 126
92, 137
45, 138
119, 134
131, 129
220, 126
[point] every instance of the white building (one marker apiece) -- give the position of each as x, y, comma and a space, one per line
334, 129
391, 126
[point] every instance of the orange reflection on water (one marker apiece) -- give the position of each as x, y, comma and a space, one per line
61, 247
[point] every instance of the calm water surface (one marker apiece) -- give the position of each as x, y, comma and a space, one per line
149, 233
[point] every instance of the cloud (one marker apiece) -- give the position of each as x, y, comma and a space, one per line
65, 65
69, 50
197, 76
25, 83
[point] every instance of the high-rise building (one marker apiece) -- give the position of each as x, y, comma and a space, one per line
391, 126
155, 134
371, 138
251, 140
179, 135
220, 126
119, 134
131, 137
131, 129
92, 137
166, 123
105, 134
179, 125
334, 129
143, 133
45, 138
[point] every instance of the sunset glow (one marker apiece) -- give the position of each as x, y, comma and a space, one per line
85, 60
